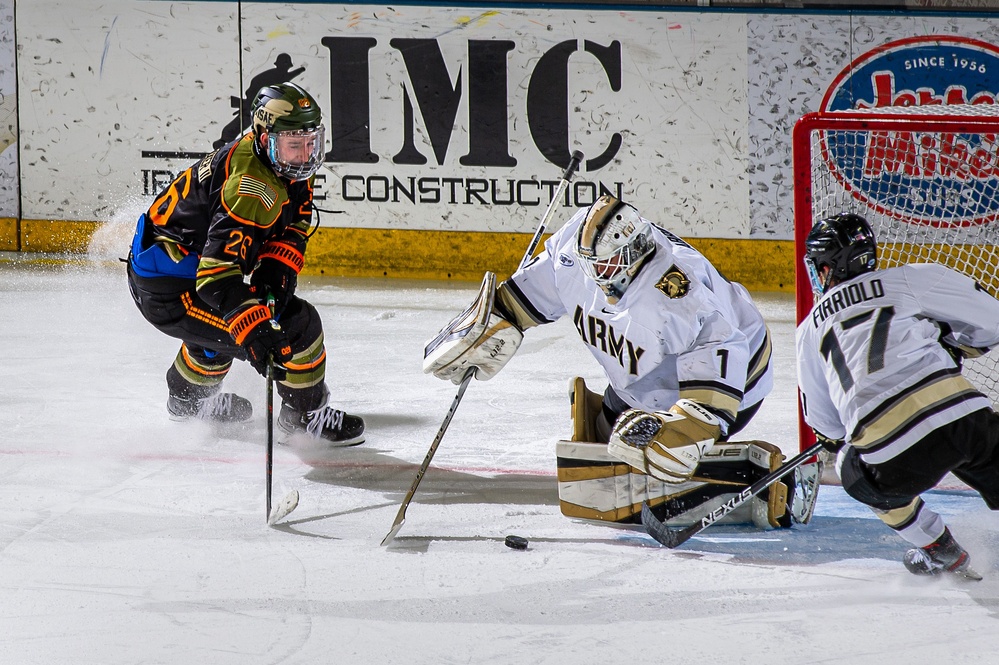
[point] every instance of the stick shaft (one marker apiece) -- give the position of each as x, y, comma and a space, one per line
270, 420
674, 537
570, 170
270, 435
401, 515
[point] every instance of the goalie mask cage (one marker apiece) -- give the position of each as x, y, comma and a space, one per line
927, 180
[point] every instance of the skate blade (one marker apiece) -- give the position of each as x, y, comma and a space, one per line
969, 574
302, 441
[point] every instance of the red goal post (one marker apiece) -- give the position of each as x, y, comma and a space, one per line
925, 177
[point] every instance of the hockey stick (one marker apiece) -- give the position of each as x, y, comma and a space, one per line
672, 538
570, 170
289, 502
400, 517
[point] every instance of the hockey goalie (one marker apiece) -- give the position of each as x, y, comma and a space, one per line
687, 359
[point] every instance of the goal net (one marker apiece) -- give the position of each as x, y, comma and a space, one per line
925, 177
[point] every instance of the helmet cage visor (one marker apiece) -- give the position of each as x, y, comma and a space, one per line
605, 269
614, 271
814, 278
297, 154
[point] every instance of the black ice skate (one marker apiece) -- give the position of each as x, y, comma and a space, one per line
940, 556
326, 423
219, 408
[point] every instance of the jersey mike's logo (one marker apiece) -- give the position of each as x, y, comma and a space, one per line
928, 178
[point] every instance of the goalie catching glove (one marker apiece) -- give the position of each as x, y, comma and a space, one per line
667, 445
479, 338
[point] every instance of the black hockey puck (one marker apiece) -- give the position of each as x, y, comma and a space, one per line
516, 542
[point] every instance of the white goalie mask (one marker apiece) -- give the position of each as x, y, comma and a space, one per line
613, 241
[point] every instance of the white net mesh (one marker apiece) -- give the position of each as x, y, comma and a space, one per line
926, 178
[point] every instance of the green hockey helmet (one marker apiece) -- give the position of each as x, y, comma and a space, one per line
293, 122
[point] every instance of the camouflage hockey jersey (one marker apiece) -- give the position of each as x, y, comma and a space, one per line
219, 217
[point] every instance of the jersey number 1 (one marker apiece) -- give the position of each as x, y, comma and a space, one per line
877, 345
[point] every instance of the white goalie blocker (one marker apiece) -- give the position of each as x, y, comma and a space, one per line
477, 338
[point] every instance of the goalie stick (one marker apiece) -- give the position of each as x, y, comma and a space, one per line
400, 517
672, 538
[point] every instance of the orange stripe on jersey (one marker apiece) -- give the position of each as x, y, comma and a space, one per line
207, 272
306, 208
250, 222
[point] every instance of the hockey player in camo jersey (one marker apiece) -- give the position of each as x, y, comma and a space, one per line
879, 367
676, 340
244, 209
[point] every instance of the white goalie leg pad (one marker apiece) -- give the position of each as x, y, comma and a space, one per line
594, 485
477, 338
667, 445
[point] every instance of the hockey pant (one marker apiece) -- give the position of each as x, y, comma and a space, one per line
967, 447
172, 305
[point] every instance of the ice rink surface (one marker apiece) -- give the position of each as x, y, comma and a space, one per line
128, 538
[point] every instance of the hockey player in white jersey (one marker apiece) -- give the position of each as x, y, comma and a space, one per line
686, 352
879, 367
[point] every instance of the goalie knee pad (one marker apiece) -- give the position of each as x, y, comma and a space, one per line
586, 407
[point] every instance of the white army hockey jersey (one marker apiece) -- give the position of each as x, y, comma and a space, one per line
679, 330
872, 367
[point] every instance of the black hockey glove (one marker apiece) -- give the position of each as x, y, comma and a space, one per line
262, 338
274, 278
832, 445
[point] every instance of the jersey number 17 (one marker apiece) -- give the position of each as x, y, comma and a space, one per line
877, 344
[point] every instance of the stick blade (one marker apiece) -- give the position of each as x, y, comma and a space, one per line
283, 508
658, 529
392, 532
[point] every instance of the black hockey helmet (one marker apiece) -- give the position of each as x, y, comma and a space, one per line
845, 244
293, 121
